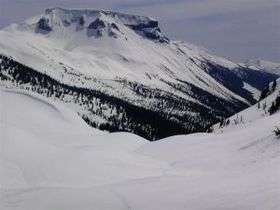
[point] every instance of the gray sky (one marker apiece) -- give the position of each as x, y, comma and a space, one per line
236, 29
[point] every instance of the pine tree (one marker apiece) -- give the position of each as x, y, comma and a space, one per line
277, 132
275, 106
81, 21
264, 106
273, 86
264, 93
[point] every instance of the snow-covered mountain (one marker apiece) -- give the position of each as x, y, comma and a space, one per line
263, 65
119, 72
51, 159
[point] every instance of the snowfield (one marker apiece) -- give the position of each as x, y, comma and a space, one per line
51, 160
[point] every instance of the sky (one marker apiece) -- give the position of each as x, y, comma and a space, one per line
235, 29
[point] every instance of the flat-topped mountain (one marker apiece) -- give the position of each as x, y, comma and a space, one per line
119, 72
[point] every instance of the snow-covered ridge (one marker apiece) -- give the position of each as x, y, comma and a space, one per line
93, 23
74, 14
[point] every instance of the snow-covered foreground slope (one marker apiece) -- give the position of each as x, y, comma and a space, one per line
47, 145
121, 73
50, 159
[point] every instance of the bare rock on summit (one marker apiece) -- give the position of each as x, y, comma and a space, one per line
43, 26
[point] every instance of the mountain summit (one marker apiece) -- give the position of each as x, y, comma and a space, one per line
94, 23
119, 72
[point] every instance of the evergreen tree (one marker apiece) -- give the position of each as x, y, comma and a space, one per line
277, 132
81, 21
264, 93
275, 106
274, 84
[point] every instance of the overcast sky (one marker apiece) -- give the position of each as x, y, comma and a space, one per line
236, 29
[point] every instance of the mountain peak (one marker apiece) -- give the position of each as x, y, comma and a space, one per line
113, 71
97, 23
94, 12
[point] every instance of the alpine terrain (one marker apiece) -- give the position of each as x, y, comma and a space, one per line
84, 94
119, 72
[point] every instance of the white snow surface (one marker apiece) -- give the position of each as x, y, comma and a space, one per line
50, 159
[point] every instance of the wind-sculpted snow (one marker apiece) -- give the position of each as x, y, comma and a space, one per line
50, 159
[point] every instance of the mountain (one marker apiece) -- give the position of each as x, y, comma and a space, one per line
51, 159
263, 65
119, 72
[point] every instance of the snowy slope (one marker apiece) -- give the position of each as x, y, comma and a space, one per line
43, 145
253, 113
113, 69
50, 159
